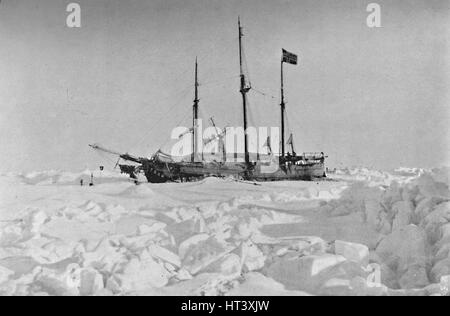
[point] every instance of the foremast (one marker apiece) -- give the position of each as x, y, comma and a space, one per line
195, 116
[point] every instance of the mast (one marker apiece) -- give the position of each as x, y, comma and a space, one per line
195, 115
293, 60
243, 91
283, 111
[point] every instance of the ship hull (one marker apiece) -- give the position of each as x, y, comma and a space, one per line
308, 172
161, 172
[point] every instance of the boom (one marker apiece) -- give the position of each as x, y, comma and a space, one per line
115, 153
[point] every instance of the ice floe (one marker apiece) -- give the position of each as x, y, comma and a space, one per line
363, 233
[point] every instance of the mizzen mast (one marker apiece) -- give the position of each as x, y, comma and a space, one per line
292, 59
283, 110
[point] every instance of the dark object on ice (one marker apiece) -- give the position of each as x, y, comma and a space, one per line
81, 182
91, 184
102, 168
161, 168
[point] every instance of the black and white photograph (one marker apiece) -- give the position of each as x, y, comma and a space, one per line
235, 150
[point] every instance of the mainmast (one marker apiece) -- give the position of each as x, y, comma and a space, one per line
244, 90
195, 115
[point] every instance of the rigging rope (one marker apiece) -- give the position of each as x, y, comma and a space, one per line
227, 79
245, 67
170, 136
264, 94
205, 54
300, 127
167, 114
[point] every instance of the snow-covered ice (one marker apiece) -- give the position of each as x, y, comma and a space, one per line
363, 232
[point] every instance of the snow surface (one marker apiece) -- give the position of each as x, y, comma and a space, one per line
363, 232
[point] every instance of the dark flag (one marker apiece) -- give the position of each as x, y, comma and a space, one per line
289, 58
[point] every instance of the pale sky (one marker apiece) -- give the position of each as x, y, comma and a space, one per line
367, 97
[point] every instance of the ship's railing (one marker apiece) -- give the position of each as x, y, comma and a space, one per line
314, 155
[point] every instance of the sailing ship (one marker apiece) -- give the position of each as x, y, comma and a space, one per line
285, 165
